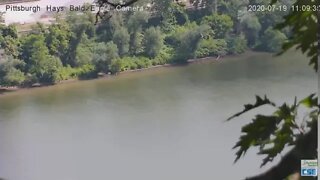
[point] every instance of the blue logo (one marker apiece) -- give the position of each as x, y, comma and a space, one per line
309, 172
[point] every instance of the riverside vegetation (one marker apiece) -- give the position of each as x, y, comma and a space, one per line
165, 33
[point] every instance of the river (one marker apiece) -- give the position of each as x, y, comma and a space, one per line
166, 123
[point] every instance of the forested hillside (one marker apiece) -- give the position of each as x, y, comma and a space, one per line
75, 47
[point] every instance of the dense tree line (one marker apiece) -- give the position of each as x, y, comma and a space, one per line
167, 32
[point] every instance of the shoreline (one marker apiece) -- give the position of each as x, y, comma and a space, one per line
9, 90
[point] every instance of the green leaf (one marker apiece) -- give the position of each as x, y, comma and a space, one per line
304, 28
271, 134
256, 133
247, 107
310, 101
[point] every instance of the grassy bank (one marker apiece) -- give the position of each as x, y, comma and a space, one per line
6, 90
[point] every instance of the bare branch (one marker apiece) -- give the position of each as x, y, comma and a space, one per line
104, 3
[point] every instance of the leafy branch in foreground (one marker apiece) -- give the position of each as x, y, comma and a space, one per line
248, 107
304, 26
305, 148
271, 134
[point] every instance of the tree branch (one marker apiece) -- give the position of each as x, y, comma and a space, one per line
306, 148
103, 3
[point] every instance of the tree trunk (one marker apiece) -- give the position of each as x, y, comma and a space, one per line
215, 6
318, 45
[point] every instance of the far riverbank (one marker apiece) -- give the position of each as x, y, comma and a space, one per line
7, 90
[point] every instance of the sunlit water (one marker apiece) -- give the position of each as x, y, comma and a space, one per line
164, 124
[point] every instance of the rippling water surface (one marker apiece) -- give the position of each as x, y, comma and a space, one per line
154, 125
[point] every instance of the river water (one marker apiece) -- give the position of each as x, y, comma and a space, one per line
167, 123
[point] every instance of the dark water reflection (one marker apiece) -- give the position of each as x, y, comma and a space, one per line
161, 124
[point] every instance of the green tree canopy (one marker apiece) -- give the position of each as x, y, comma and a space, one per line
10, 30
135, 23
103, 55
58, 38
189, 41
11, 72
251, 26
273, 40
47, 71
220, 24
10, 45
122, 38
153, 42
33, 50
